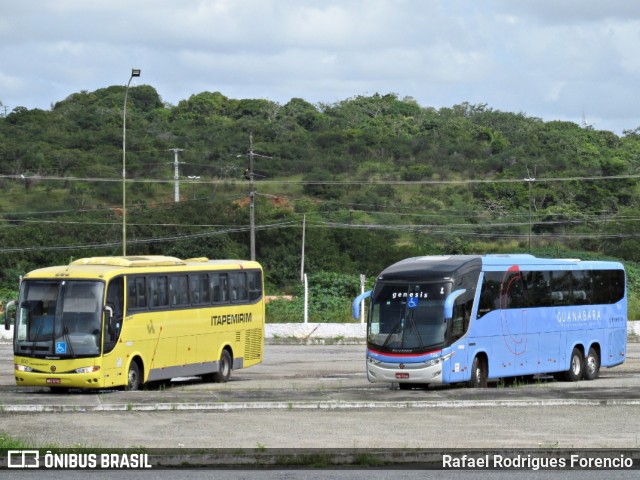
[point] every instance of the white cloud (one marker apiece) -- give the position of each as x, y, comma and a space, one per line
546, 58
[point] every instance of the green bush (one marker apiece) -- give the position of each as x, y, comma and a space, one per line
330, 298
292, 311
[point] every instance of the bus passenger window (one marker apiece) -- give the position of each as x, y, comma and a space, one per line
562, 288
179, 290
490, 293
219, 287
199, 288
255, 285
238, 284
137, 296
538, 291
158, 291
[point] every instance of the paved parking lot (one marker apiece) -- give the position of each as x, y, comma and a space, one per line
318, 396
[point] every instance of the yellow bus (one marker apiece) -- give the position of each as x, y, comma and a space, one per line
106, 322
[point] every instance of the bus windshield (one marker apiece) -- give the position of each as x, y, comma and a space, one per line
408, 318
59, 318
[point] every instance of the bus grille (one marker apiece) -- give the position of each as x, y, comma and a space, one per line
253, 344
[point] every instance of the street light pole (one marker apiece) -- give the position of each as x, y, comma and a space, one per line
135, 72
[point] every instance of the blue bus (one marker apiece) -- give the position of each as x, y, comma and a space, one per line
477, 318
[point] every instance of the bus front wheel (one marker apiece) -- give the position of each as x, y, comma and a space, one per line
575, 367
224, 368
478, 373
133, 377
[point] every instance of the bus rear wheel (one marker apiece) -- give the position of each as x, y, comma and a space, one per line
576, 367
478, 373
591, 365
224, 368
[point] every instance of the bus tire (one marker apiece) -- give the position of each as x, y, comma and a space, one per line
133, 377
576, 366
224, 368
479, 373
591, 365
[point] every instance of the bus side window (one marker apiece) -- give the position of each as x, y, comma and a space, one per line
580, 288
199, 288
163, 294
490, 293
513, 293
238, 284
461, 317
255, 285
538, 292
616, 277
137, 295
219, 287
179, 290
157, 291
561, 288
154, 299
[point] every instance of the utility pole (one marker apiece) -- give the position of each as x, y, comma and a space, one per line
249, 175
176, 175
252, 195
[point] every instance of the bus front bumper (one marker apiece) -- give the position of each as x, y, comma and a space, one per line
92, 378
426, 372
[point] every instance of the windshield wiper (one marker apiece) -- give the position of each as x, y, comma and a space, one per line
65, 333
35, 340
393, 330
416, 331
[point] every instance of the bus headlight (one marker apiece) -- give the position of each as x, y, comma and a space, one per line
23, 368
436, 361
87, 369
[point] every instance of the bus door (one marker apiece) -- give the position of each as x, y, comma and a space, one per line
458, 325
112, 326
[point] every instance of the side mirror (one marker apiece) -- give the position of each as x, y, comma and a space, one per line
356, 303
7, 315
450, 300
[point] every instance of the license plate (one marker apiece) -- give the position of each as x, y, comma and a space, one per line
53, 380
402, 375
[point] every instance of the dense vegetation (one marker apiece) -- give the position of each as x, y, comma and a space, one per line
376, 179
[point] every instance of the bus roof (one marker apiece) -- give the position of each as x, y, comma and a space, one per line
450, 265
102, 267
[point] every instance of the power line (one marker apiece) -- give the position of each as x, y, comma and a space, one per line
140, 240
337, 182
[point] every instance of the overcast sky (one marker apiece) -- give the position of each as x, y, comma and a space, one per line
576, 60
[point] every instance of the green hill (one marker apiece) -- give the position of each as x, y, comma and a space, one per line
377, 178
